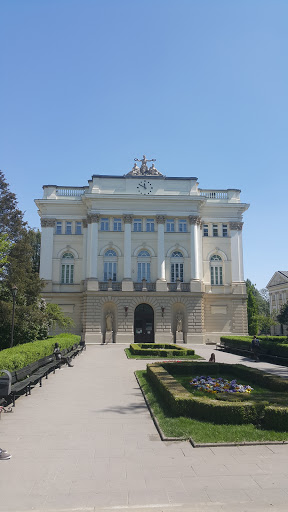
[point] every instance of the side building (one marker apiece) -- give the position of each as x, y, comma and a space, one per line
144, 257
278, 295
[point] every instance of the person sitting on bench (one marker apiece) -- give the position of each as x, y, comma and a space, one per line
59, 357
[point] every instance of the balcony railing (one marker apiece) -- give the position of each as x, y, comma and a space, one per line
107, 286
178, 287
70, 191
148, 287
214, 194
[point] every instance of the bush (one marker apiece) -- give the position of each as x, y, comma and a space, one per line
182, 403
267, 346
275, 418
164, 350
17, 357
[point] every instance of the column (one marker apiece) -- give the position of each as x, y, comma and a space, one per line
161, 284
127, 283
194, 246
236, 252
46, 252
92, 251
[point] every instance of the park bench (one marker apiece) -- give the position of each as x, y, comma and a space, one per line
25, 378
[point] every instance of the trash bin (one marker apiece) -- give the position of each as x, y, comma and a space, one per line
5, 383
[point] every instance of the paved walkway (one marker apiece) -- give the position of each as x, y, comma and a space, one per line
86, 442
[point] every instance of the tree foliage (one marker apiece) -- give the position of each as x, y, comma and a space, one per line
252, 312
283, 315
19, 266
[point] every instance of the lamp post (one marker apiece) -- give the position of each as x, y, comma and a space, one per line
14, 291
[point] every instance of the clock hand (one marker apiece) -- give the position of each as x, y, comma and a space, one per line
144, 185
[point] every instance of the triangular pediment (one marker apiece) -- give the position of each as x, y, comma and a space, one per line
278, 278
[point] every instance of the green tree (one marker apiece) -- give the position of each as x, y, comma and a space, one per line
261, 298
5, 246
283, 315
11, 218
252, 312
265, 323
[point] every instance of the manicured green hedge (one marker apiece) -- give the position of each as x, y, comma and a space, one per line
164, 350
183, 403
17, 357
275, 418
266, 347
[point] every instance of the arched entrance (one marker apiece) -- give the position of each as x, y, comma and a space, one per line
144, 324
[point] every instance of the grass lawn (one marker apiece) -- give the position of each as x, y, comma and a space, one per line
200, 431
161, 358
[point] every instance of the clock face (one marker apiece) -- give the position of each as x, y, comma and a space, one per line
144, 187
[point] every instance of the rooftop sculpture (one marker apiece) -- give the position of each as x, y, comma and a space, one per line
144, 170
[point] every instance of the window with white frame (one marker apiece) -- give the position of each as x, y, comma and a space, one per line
215, 229
205, 230
137, 225
176, 266
182, 226
117, 224
78, 228
170, 225
110, 265
225, 230
68, 229
143, 266
150, 225
58, 228
104, 224
216, 270
67, 268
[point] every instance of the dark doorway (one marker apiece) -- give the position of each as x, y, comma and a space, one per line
144, 324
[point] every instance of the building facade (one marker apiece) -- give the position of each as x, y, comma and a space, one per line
278, 295
144, 257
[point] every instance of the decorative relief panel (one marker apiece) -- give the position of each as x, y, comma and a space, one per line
160, 219
236, 226
127, 219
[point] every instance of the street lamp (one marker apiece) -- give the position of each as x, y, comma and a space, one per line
14, 291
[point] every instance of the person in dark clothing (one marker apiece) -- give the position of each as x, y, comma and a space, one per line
59, 357
255, 344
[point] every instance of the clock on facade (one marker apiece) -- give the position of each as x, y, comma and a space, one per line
144, 187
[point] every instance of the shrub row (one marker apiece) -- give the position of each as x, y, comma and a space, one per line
156, 350
22, 355
182, 403
268, 348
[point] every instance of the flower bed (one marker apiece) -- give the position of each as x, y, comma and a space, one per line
219, 385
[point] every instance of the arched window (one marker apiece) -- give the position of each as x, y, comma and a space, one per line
177, 265
216, 270
143, 266
67, 268
110, 265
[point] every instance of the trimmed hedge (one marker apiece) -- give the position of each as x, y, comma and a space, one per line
183, 403
267, 348
163, 350
22, 355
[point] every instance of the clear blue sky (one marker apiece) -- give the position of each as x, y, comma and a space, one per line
200, 85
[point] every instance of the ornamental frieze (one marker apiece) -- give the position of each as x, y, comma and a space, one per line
236, 226
48, 223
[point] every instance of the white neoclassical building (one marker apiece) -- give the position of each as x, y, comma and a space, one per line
145, 257
278, 295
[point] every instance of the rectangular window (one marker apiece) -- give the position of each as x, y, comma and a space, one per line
170, 226
117, 225
143, 272
182, 226
137, 225
205, 230
110, 270
216, 276
215, 229
224, 230
176, 272
67, 274
58, 228
104, 224
150, 225
78, 228
68, 230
